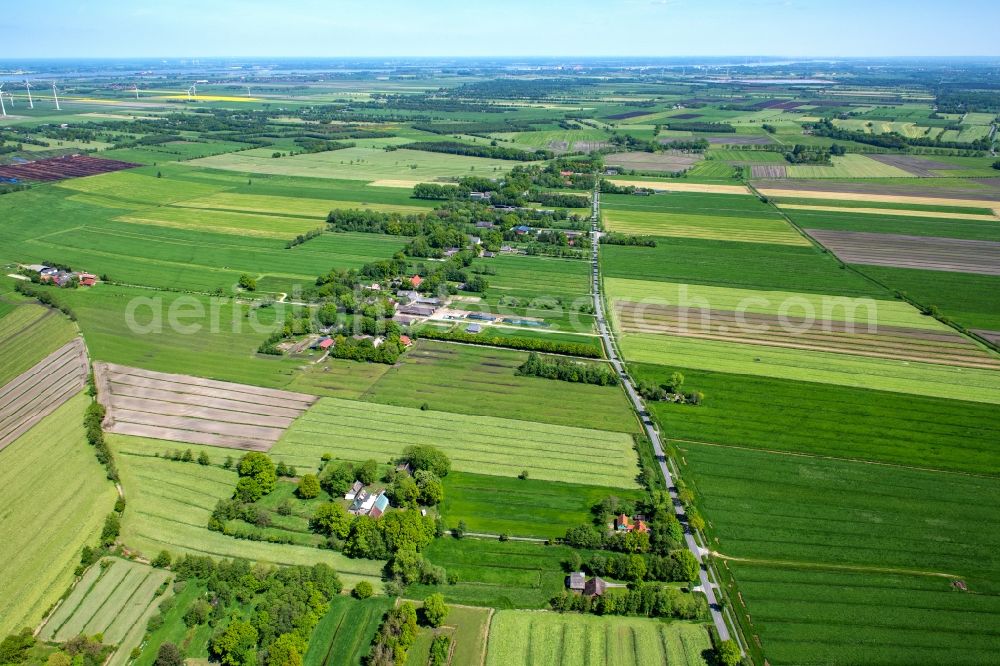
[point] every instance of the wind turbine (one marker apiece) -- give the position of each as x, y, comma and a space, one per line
194, 89
136, 89
10, 96
27, 86
3, 109
55, 96
248, 91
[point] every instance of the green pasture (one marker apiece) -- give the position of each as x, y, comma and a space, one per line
55, 497
170, 502
357, 431
30, 333
851, 165
343, 636
829, 420
957, 383
466, 626
521, 507
725, 228
523, 638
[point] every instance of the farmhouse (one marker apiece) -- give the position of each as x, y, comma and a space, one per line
576, 581
416, 281
485, 224
625, 524
479, 196
473, 328
417, 310
405, 340
381, 504
354, 490
522, 229
363, 503
595, 587
324, 344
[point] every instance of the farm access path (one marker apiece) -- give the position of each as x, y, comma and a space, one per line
708, 586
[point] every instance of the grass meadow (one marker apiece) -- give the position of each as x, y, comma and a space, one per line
344, 635
193, 641
987, 228
170, 503
828, 420
467, 627
882, 374
521, 507
497, 574
809, 616
56, 496
30, 333
723, 227
353, 430
359, 163
524, 637
480, 380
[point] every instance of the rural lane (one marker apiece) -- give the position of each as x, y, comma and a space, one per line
707, 584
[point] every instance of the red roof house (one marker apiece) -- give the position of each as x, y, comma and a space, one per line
325, 344
416, 280
87, 279
405, 340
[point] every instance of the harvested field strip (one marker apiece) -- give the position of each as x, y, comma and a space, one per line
754, 301
924, 252
891, 211
990, 201
750, 230
487, 445
673, 186
768, 171
194, 410
798, 333
972, 384
540, 637
36, 393
848, 166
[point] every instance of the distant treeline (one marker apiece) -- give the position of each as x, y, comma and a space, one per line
526, 344
474, 150
695, 126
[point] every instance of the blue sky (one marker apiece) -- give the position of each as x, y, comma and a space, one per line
192, 28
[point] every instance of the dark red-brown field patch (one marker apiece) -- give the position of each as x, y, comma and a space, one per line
60, 168
924, 252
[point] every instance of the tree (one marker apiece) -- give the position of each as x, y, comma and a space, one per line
695, 521
338, 479
308, 486
286, 651
248, 282
331, 519
62, 659
236, 645
363, 590
404, 491
169, 655
259, 467
431, 489
729, 653
687, 567
248, 490
112, 528
198, 613
459, 531
996, 165
162, 560
203, 459
429, 458
435, 610
367, 473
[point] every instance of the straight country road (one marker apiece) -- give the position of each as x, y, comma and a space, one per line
708, 586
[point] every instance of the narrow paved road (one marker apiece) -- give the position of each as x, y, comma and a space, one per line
707, 585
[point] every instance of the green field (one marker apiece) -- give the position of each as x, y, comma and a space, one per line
882, 374
344, 634
114, 598
729, 264
30, 333
169, 504
848, 166
748, 230
295, 206
829, 420
357, 431
481, 380
193, 641
224, 222
844, 528
529, 508
498, 574
523, 637
805, 616
466, 626
368, 164
985, 229
55, 499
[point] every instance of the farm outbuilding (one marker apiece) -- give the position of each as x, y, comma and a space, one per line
595, 587
576, 581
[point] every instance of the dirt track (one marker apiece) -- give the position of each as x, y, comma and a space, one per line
39, 391
925, 252
195, 410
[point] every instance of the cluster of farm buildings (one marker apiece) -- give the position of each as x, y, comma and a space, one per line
61, 277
